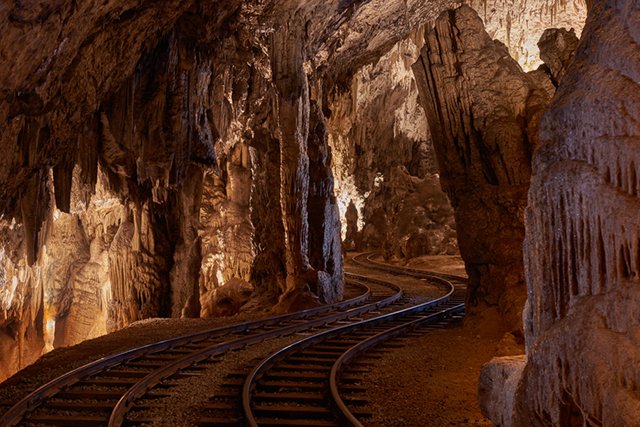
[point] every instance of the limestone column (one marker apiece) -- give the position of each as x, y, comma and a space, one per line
291, 84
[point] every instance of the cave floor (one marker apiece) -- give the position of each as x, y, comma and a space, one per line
434, 381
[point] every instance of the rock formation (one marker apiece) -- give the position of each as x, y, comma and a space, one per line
519, 24
557, 49
582, 248
385, 165
173, 158
168, 150
483, 113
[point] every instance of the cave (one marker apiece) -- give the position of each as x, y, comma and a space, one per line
173, 167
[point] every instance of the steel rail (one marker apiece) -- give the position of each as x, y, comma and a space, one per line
257, 372
34, 399
344, 414
126, 402
416, 272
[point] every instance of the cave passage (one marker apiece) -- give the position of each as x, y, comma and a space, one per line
223, 160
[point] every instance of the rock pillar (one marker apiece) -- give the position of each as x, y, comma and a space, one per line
483, 112
582, 247
291, 84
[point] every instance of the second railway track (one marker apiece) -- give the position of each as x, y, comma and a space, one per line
299, 384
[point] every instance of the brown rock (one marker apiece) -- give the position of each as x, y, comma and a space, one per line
582, 323
557, 49
519, 24
227, 299
498, 381
482, 111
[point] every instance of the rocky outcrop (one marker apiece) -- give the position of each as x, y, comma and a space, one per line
519, 24
557, 49
581, 247
384, 161
64, 296
483, 113
497, 386
408, 217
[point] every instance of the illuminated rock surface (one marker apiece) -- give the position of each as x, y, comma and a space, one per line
519, 24
177, 159
178, 148
384, 161
582, 253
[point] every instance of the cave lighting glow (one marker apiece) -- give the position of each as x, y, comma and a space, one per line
529, 60
7, 286
345, 193
49, 334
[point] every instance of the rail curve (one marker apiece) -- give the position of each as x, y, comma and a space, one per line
378, 313
345, 345
197, 346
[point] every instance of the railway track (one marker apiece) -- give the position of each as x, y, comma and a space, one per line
106, 391
366, 260
316, 381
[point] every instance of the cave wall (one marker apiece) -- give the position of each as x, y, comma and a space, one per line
384, 162
582, 247
519, 24
150, 136
377, 125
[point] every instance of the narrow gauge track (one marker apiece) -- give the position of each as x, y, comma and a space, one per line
302, 383
366, 260
102, 392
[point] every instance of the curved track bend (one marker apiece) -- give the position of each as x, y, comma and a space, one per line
304, 383
103, 393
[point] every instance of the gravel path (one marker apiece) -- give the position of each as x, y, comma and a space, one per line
434, 379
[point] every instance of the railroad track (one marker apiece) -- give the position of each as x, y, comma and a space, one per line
316, 381
105, 392
366, 260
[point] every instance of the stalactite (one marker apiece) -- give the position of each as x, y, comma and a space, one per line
87, 157
35, 208
62, 181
